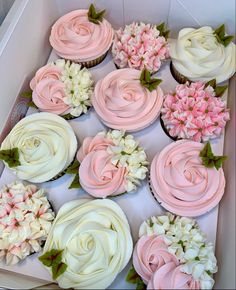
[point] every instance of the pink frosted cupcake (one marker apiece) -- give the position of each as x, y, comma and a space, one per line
25, 220
110, 164
172, 253
195, 111
122, 102
82, 36
62, 88
187, 178
140, 46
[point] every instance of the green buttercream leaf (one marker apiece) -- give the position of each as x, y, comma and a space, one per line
73, 168
32, 105
94, 16
52, 257
11, 157
219, 91
211, 83
58, 269
210, 160
163, 31
132, 276
221, 35
27, 95
147, 82
75, 183
141, 285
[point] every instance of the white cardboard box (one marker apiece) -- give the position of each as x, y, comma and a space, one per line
24, 47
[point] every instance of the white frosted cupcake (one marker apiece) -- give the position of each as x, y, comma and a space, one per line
202, 54
25, 220
89, 244
39, 148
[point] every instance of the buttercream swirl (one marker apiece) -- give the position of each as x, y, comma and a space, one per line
182, 184
123, 103
96, 240
46, 144
75, 38
198, 55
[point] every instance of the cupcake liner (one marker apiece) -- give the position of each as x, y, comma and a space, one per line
166, 131
94, 62
181, 79
150, 188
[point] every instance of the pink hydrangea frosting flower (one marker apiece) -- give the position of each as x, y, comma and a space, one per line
194, 112
25, 220
139, 46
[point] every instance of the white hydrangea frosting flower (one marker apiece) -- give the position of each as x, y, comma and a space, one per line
187, 242
25, 220
78, 86
127, 153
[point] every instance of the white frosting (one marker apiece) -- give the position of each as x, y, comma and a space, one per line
46, 143
96, 240
198, 55
25, 220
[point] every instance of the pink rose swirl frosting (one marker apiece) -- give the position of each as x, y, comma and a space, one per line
99, 177
170, 277
123, 103
74, 37
48, 96
91, 144
49, 71
150, 254
182, 184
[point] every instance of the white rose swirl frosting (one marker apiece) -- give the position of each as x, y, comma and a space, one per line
181, 183
74, 37
46, 143
198, 55
96, 240
122, 102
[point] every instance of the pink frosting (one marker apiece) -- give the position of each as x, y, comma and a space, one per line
193, 112
122, 103
182, 184
48, 71
74, 37
48, 96
170, 277
150, 254
93, 144
99, 177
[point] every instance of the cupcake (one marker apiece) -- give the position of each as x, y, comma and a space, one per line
202, 54
110, 164
62, 88
39, 147
140, 46
195, 111
89, 244
82, 36
187, 178
172, 253
123, 102
25, 220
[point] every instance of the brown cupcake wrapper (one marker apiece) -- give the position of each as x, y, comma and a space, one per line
94, 62
178, 76
150, 188
166, 131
